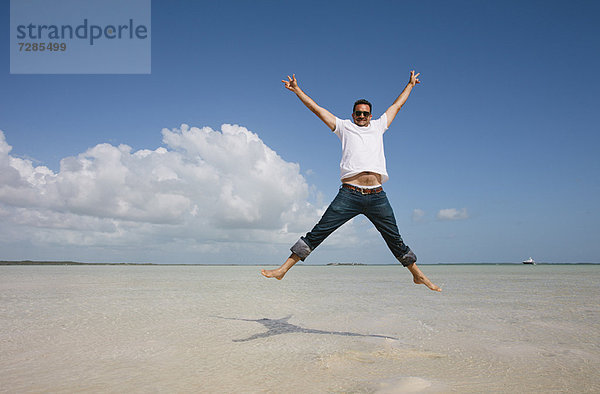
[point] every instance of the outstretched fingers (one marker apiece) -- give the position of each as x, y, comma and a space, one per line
414, 79
291, 83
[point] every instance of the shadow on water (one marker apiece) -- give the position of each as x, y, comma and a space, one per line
281, 326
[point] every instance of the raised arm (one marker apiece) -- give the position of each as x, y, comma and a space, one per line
392, 111
322, 113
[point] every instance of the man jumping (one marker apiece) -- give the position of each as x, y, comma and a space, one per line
363, 171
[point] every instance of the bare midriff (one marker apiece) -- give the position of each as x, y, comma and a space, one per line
365, 178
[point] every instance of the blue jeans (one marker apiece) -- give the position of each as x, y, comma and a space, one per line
346, 205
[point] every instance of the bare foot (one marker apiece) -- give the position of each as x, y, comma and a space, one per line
420, 279
423, 280
276, 273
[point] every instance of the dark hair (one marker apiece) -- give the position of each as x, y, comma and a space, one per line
362, 101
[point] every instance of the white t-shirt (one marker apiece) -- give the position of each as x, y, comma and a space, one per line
362, 147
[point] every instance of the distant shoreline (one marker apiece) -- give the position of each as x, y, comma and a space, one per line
31, 262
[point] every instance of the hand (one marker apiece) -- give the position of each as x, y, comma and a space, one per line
291, 83
414, 78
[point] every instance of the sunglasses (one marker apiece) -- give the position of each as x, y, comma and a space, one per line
362, 113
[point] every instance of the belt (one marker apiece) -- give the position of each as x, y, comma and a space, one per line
363, 190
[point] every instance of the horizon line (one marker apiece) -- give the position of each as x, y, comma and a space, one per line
334, 264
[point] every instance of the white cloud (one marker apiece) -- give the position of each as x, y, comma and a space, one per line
452, 214
418, 215
203, 190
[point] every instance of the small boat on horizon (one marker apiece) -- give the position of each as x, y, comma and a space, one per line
529, 261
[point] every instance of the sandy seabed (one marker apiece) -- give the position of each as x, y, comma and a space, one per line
364, 329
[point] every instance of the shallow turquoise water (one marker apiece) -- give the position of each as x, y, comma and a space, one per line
321, 329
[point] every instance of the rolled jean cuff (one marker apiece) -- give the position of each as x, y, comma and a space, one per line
301, 249
408, 258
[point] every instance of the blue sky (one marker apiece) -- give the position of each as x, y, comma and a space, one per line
493, 158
